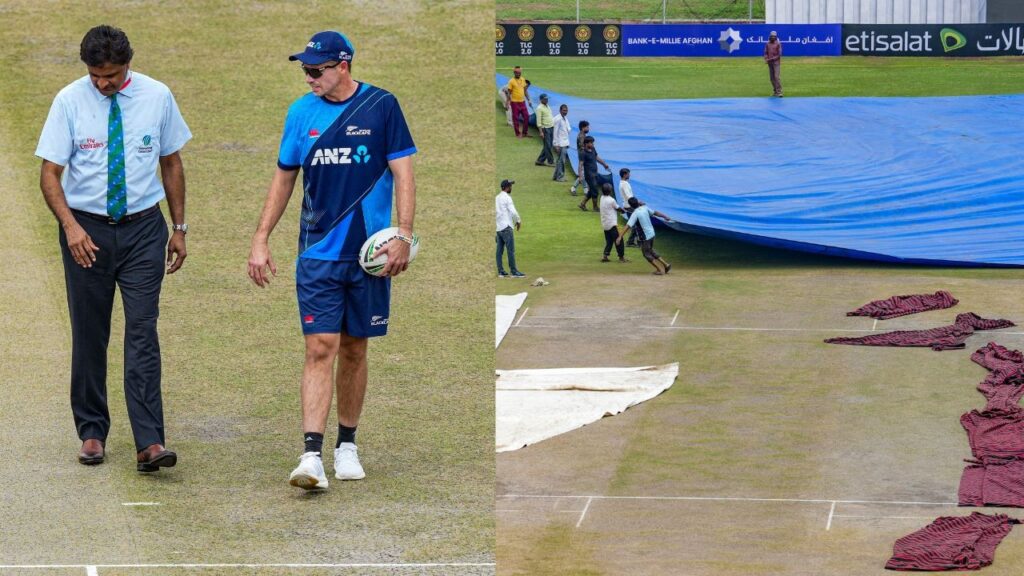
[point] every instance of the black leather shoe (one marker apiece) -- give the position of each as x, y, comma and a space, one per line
91, 452
155, 457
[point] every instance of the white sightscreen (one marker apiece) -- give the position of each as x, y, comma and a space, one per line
875, 11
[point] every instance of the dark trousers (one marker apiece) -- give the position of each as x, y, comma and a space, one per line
130, 257
506, 239
632, 231
647, 248
520, 117
609, 240
593, 187
547, 155
775, 75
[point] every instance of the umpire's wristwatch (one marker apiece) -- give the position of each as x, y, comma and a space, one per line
182, 227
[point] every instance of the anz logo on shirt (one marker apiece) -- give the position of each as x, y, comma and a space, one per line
340, 156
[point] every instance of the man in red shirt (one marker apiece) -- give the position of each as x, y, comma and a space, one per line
773, 56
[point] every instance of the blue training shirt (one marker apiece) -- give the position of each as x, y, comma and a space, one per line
343, 149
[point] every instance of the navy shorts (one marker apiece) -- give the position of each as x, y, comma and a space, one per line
336, 297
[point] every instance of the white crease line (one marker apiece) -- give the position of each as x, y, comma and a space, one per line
91, 571
531, 511
831, 513
584, 513
723, 328
736, 328
674, 318
748, 329
863, 516
732, 499
523, 315
140, 504
348, 565
605, 318
875, 325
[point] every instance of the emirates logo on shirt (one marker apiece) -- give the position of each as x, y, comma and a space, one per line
91, 144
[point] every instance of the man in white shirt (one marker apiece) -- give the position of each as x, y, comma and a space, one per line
610, 223
506, 217
106, 135
561, 142
626, 191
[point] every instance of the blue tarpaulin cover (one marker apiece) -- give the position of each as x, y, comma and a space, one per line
936, 180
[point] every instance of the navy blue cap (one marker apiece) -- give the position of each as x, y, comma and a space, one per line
324, 47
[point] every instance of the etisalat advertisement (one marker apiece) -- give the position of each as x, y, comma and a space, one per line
747, 40
934, 40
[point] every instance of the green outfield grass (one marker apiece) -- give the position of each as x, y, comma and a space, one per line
600, 10
762, 408
233, 353
656, 78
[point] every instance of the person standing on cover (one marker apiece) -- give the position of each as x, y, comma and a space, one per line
546, 125
773, 56
560, 139
506, 218
107, 133
518, 92
645, 233
354, 148
589, 159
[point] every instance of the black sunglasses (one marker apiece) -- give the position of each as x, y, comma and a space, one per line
315, 73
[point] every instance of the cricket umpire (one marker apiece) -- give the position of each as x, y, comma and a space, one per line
103, 139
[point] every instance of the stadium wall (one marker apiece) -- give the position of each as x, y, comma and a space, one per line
1005, 11
878, 11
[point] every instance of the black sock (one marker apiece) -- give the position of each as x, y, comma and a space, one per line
345, 434
314, 442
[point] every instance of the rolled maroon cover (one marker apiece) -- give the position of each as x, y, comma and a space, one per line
902, 305
952, 543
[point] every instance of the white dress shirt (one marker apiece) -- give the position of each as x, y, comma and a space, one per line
505, 211
562, 131
75, 136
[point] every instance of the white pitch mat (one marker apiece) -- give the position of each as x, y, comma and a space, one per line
505, 308
533, 405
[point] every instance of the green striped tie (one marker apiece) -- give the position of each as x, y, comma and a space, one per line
117, 193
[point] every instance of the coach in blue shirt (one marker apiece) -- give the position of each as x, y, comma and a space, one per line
354, 148
103, 139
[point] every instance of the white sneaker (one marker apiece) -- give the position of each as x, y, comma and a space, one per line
346, 463
309, 474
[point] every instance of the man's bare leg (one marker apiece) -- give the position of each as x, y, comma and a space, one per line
321, 350
351, 379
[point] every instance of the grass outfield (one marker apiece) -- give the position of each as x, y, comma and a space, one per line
601, 10
762, 408
654, 78
233, 353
